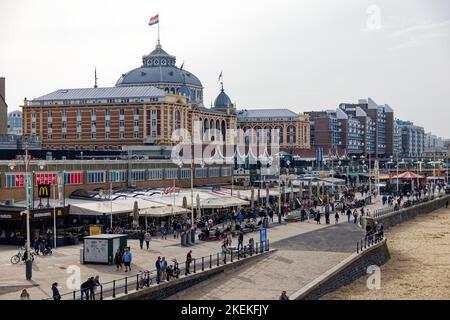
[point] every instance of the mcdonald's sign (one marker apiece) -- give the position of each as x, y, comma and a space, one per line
44, 191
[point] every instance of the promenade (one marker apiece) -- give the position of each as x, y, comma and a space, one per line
312, 261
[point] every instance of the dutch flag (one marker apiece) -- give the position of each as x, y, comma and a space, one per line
154, 20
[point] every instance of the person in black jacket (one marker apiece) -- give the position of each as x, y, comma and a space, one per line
188, 262
84, 288
141, 239
55, 291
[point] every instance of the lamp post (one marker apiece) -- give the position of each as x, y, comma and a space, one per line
29, 205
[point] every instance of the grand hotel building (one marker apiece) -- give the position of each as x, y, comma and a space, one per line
143, 108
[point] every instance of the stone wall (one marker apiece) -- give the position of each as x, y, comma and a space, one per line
167, 289
397, 217
344, 273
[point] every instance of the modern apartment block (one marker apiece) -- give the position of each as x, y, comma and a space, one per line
413, 139
364, 128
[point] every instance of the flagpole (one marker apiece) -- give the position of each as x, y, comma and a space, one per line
159, 43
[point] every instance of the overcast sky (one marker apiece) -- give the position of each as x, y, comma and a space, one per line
299, 54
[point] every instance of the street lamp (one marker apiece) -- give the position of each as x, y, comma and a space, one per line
29, 205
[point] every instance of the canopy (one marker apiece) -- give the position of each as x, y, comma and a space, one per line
408, 176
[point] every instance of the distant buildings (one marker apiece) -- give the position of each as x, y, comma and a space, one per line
15, 123
413, 139
364, 128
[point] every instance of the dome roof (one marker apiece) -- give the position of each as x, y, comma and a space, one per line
185, 91
152, 75
158, 67
222, 100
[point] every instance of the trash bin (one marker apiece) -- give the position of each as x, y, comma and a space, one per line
183, 239
193, 236
81, 255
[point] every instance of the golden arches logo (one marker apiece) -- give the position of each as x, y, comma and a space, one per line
44, 191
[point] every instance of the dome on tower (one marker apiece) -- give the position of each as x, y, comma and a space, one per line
223, 100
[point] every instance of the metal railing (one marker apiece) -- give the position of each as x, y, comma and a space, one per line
145, 279
369, 240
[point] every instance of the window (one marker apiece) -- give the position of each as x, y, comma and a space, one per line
93, 124
200, 172
136, 112
49, 114
73, 178
136, 123
64, 135
214, 172
122, 123
79, 124
185, 173
138, 175
226, 172
107, 112
96, 177
117, 176
107, 123
93, 113
107, 135
10, 181
49, 135
154, 122
78, 135
50, 125
64, 124
64, 113
136, 134
94, 135
171, 173
122, 112
121, 135
155, 174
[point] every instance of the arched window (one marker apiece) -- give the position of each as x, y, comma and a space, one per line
224, 130
212, 125
258, 134
206, 128
172, 90
279, 134
292, 139
268, 132
177, 119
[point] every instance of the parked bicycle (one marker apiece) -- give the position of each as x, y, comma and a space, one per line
145, 280
20, 256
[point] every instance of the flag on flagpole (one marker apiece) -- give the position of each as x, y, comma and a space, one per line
154, 20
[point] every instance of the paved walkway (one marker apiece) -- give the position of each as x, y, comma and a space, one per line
47, 270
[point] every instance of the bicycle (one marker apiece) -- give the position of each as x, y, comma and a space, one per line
15, 259
145, 279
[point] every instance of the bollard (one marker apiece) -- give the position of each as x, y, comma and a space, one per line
225, 259
183, 239
114, 289
231, 256
137, 282
218, 257
101, 292
195, 260
357, 247
256, 252
188, 239
210, 261
74, 293
193, 236
126, 285
267, 248
203, 264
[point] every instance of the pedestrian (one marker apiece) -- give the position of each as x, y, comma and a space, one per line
91, 288
163, 232
327, 217
174, 228
94, 286
355, 215
283, 296
141, 239
229, 237
240, 245
126, 258
317, 218
349, 215
55, 291
147, 238
24, 295
336, 217
84, 289
164, 268
224, 252
188, 262
158, 270
118, 259
36, 245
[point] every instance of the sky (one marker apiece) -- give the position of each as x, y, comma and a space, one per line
299, 54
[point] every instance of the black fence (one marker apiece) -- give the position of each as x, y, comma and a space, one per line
369, 240
148, 278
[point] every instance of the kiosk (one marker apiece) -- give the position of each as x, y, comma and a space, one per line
101, 248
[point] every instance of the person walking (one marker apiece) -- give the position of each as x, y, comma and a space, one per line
283, 296
224, 252
141, 239
55, 291
229, 237
24, 295
349, 215
126, 258
188, 262
158, 270
118, 259
355, 215
84, 289
147, 238
36, 245
94, 286
336, 218
317, 218
164, 268
240, 245
163, 231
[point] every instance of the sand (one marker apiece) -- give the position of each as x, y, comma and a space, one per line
419, 268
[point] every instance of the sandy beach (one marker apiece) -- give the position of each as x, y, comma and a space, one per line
419, 267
